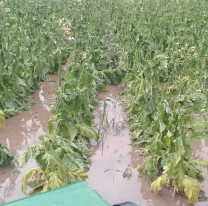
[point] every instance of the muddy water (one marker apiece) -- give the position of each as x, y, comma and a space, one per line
23, 130
113, 173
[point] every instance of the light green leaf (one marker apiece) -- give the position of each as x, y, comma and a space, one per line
198, 131
149, 166
31, 153
167, 140
72, 131
159, 182
179, 146
79, 173
45, 186
2, 120
54, 181
21, 82
88, 131
192, 189
169, 134
200, 162
162, 126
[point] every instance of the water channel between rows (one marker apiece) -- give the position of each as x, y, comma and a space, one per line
114, 168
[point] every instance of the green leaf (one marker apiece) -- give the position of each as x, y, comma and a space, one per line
200, 162
162, 126
21, 82
5, 157
149, 166
72, 131
2, 120
31, 153
87, 131
79, 173
198, 131
169, 134
54, 181
179, 147
192, 189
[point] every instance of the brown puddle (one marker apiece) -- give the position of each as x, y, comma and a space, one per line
113, 173
23, 130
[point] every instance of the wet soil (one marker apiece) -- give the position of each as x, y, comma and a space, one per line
114, 170
23, 130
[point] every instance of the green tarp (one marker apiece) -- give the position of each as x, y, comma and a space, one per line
78, 194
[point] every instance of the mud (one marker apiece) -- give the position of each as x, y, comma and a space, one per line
114, 170
23, 130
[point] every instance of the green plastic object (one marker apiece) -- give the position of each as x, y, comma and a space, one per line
77, 194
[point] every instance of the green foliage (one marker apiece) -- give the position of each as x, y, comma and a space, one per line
5, 157
59, 160
165, 87
33, 44
31, 153
159, 182
149, 167
192, 189
87, 132
2, 120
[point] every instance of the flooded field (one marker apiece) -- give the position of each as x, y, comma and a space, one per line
114, 170
114, 173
